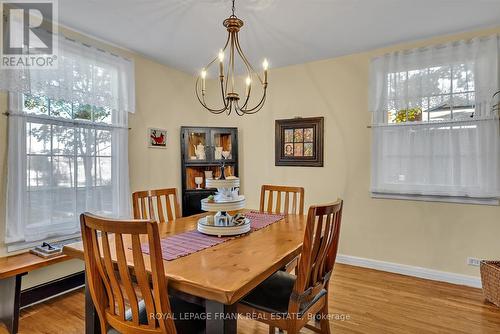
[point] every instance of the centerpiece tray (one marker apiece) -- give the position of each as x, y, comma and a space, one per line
227, 230
225, 183
223, 205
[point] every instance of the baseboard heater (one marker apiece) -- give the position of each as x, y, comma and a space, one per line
51, 289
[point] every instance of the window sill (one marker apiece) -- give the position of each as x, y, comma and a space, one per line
433, 198
60, 241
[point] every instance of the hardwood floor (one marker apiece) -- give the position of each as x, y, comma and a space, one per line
371, 302
63, 314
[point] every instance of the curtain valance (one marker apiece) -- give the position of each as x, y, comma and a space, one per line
85, 74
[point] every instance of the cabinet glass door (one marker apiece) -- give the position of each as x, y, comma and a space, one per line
196, 145
223, 145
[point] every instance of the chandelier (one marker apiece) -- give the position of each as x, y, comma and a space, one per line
231, 100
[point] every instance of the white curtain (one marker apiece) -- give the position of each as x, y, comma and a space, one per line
60, 166
84, 74
450, 146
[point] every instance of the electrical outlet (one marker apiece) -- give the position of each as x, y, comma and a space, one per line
472, 261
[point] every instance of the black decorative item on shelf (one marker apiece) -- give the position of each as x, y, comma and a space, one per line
205, 151
223, 171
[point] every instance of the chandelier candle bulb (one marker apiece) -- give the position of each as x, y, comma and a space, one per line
203, 76
221, 63
248, 81
265, 65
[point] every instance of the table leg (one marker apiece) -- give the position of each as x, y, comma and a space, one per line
222, 319
10, 290
92, 325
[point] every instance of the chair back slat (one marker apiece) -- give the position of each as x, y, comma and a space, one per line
319, 250
281, 192
278, 202
294, 203
316, 245
161, 205
142, 278
287, 202
111, 265
126, 279
113, 281
159, 209
159, 282
170, 216
99, 264
270, 202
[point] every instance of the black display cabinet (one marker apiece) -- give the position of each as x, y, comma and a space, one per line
203, 149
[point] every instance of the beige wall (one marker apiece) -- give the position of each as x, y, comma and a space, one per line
431, 235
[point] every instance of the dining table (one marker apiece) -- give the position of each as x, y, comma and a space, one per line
218, 276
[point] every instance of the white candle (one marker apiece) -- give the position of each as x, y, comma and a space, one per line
203, 76
248, 81
221, 63
265, 65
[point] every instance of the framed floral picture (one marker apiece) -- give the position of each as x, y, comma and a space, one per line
299, 142
157, 138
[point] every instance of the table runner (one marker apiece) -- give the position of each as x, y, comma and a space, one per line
186, 243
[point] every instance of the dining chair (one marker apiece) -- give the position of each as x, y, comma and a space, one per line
295, 195
126, 297
161, 205
288, 302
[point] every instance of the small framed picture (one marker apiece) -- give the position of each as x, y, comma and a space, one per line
299, 142
157, 138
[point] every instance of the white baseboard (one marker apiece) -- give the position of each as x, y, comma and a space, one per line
404, 269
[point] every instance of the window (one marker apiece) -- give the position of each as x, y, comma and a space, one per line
436, 93
435, 125
67, 143
66, 161
68, 150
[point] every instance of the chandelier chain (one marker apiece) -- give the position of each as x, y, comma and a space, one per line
232, 8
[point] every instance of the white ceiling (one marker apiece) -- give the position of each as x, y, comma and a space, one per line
185, 34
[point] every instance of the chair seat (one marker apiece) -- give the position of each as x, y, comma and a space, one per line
180, 309
273, 295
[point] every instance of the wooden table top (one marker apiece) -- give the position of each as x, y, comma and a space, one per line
228, 271
25, 262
